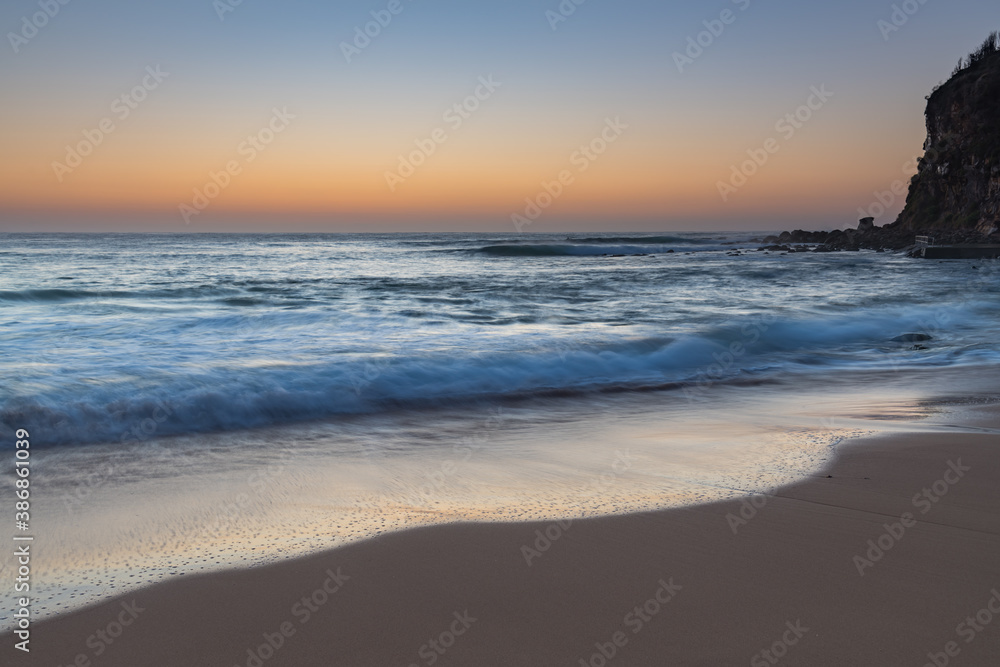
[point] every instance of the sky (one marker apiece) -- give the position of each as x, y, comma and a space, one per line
450, 115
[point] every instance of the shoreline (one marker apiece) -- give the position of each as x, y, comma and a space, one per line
792, 573
542, 463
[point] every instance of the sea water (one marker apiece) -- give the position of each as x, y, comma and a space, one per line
205, 401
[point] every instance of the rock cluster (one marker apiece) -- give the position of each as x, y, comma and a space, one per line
869, 236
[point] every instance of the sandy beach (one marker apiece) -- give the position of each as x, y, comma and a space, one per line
888, 557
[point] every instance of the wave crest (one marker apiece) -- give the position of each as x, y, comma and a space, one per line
230, 398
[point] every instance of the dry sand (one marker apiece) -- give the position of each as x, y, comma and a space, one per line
786, 581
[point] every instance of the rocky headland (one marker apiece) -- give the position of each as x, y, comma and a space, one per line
955, 195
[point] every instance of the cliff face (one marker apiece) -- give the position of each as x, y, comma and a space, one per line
957, 186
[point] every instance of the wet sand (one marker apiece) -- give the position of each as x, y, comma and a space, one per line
891, 560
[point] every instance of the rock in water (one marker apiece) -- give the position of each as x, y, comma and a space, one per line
912, 338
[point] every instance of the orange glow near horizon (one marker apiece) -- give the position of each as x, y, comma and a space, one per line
644, 174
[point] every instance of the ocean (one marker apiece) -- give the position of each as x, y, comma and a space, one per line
201, 401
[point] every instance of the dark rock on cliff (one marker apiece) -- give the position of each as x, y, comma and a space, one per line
800, 236
957, 186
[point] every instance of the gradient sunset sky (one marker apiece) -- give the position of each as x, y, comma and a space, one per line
559, 84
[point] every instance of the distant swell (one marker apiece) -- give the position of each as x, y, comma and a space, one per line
46, 295
555, 250
56, 294
611, 240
